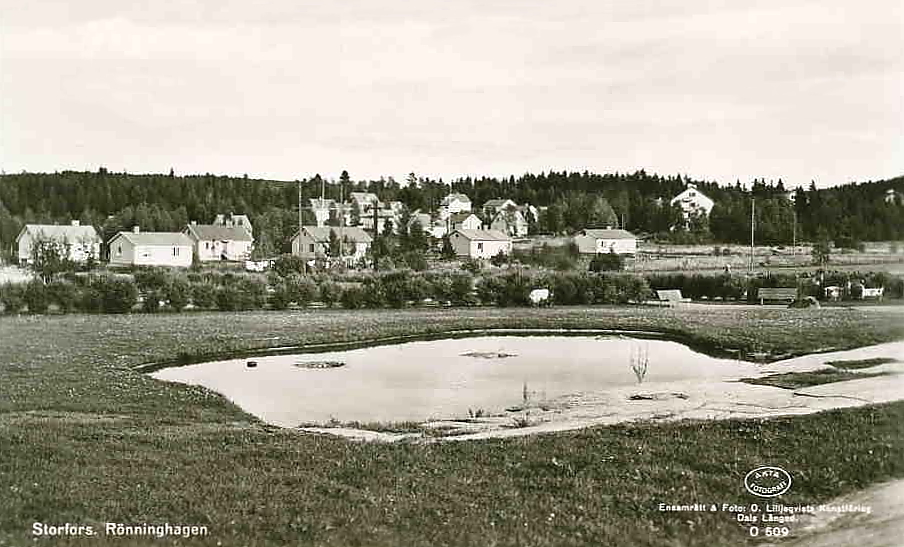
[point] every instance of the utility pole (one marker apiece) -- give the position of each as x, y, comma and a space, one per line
752, 228
794, 234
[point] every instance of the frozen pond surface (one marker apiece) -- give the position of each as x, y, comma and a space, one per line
444, 379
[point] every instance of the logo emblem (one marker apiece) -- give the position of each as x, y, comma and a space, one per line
767, 482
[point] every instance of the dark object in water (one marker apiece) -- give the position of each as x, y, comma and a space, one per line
488, 354
657, 396
251, 364
320, 364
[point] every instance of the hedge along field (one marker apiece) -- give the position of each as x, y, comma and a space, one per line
86, 439
163, 289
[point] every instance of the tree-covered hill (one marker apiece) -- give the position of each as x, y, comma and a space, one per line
116, 201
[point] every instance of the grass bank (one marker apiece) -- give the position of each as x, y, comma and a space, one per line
86, 439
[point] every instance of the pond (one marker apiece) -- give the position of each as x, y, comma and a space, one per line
444, 379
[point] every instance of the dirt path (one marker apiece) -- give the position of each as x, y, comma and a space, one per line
883, 526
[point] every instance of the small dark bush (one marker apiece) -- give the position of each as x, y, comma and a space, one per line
204, 295
330, 292
36, 297
607, 262
66, 295
353, 298
13, 297
177, 294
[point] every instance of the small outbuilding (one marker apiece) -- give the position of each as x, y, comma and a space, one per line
596, 241
480, 243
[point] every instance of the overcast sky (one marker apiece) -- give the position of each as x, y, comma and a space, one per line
284, 89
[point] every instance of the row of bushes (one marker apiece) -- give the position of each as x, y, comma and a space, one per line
734, 287
162, 289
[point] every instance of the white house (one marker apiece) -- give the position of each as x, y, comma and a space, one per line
480, 243
241, 221
82, 242
892, 196
366, 202
434, 227
137, 248
595, 241
321, 209
492, 207
692, 201
464, 221
510, 221
454, 203
313, 242
220, 242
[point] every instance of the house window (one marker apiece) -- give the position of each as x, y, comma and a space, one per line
479, 246
311, 248
119, 250
175, 251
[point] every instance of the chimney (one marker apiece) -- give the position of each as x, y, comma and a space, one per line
136, 229
76, 223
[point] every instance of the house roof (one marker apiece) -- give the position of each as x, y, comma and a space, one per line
67, 232
608, 233
321, 234
455, 218
156, 239
455, 196
210, 232
483, 235
321, 203
231, 219
365, 196
497, 203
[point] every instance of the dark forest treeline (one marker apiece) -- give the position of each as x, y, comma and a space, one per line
115, 201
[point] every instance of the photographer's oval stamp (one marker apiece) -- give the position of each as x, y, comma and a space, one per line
767, 481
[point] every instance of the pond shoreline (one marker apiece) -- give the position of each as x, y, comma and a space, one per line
694, 343
668, 402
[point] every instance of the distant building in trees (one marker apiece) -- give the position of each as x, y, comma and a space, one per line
454, 203
432, 226
82, 242
892, 196
321, 209
693, 202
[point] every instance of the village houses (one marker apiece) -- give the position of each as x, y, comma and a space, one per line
480, 243
137, 248
81, 242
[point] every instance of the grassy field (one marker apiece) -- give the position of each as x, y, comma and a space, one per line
85, 439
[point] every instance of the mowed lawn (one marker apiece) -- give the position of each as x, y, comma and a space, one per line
84, 439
